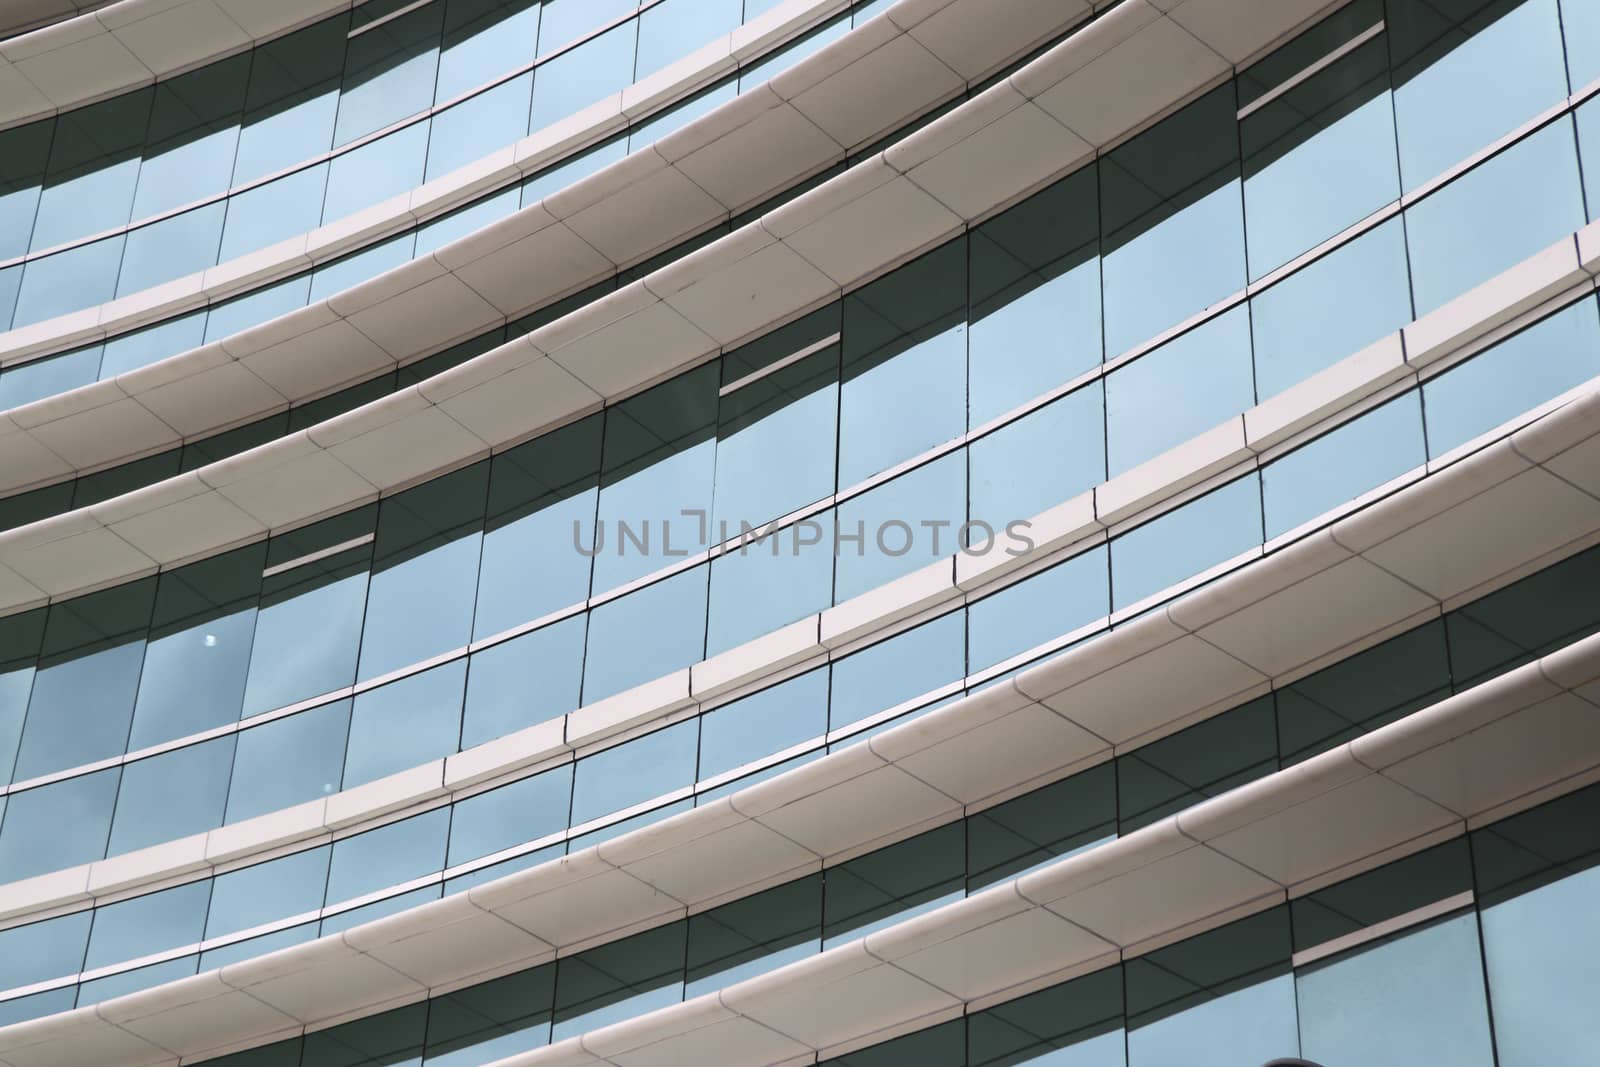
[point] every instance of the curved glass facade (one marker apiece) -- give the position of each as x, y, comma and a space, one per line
1348, 183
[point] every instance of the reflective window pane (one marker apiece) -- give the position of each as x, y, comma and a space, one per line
24, 151
890, 885
274, 212
769, 580
172, 795
94, 163
541, 525
43, 950
1205, 760
152, 344
1340, 466
1518, 374
587, 74
388, 855
1495, 216
405, 724
897, 670
259, 894
660, 461
1580, 24
1182, 389
292, 99
1444, 107
356, 268
1078, 1024
88, 672
68, 281
483, 38
289, 761
148, 924
389, 71
252, 309
635, 771
764, 723
57, 826
1035, 278
648, 633
905, 340
391, 165
564, 21
172, 248
478, 126
670, 30
1046, 457
900, 526
424, 571
1041, 826
512, 815
753, 935
619, 981
1337, 306
1321, 156
1038, 609
308, 628
524, 681
24, 383
1185, 541
1173, 221
491, 1020
193, 135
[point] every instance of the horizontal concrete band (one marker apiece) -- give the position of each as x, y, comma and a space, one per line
21, 16
1497, 514
1520, 296
810, 250
1521, 739
129, 44
612, 116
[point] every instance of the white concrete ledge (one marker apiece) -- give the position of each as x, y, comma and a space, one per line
810, 250
131, 43
1396, 790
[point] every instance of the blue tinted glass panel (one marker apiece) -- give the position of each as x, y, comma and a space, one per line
116, 985
1252, 1024
26, 382
1580, 24
1495, 216
277, 211
1414, 998
10, 282
194, 132
660, 461
905, 347
57, 826
648, 633
15, 685
68, 281
289, 761
524, 681
483, 38
389, 73
184, 244
511, 815
172, 795
255, 308
582, 165
1332, 309
564, 21
1319, 158
1184, 388
355, 269
368, 175
456, 225
1540, 949
1338, 467
424, 573
292, 99
152, 344
1514, 376
680, 115
24, 151
148, 924
1183, 542
378, 909
1173, 221
541, 527
307, 631
1038, 461
1444, 107
897, 670
673, 28
1035, 279
764, 724
476, 127
587, 74
635, 771
405, 724
768, 582
619, 981
277, 889
388, 856
900, 526
1038, 609
94, 163
223, 955
43, 950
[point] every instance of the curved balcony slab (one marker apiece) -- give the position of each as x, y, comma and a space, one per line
867, 220
113, 48
1394, 791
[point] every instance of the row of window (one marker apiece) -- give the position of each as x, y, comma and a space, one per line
1413, 670
85, 202
1184, 217
509, 540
